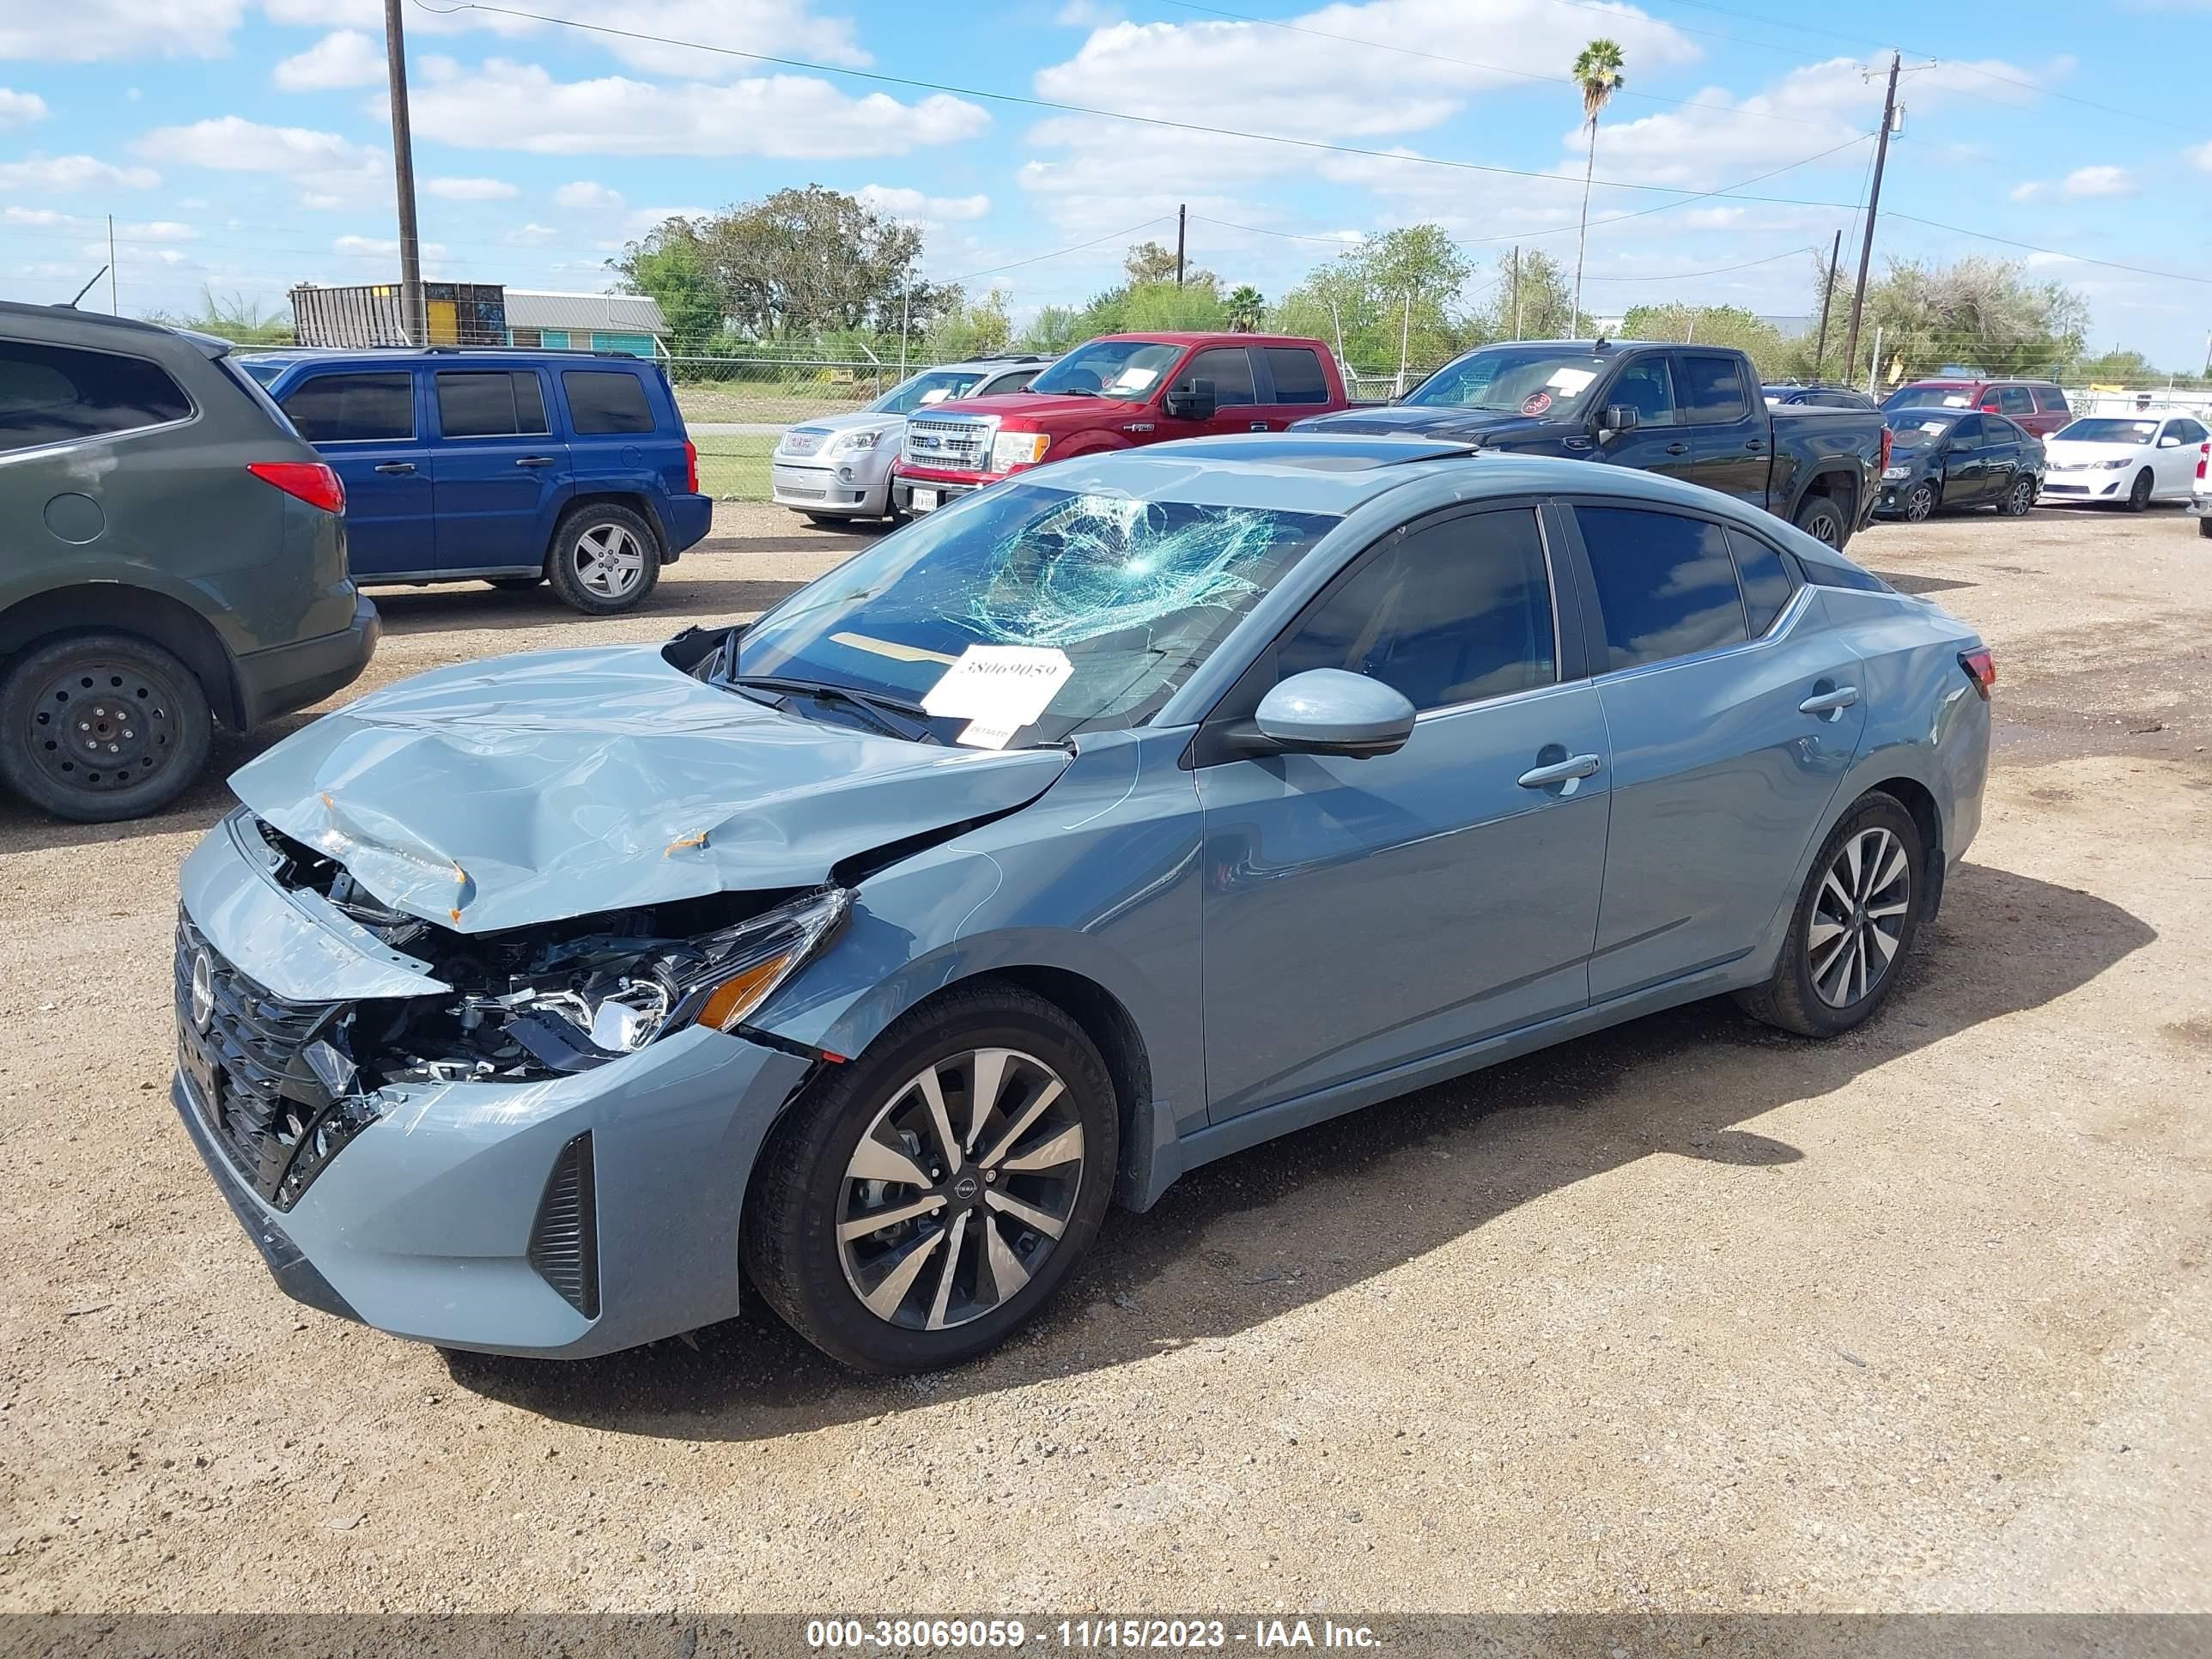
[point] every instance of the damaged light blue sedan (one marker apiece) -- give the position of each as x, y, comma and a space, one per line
1107, 822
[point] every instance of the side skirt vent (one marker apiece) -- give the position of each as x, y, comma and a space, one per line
564, 1240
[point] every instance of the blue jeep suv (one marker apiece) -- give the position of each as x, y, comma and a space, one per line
514, 467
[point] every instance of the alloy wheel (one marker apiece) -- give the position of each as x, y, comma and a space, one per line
1919, 503
2022, 498
610, 560
960, 1188
1858, 918
100, 725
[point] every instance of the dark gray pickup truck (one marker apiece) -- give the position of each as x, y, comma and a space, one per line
1694, 412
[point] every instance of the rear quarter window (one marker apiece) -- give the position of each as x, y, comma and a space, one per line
54, 394
1666, 584
1297, 374
603, 401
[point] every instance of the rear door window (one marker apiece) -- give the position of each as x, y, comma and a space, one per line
1448, 612
490, 403
340, 408
1297, 374
1709, 389
1230, 368
1666, 584
605, 401
54, 394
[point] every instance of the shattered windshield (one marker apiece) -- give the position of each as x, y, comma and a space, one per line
1111, 604
1536, 380
1124, 370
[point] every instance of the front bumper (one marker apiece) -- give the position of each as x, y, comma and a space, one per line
851, 488
423, 1224
288, 677
933, 490
2096, 485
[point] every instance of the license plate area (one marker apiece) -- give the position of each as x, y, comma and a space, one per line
925, 500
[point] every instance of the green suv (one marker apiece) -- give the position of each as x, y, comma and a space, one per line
171, 554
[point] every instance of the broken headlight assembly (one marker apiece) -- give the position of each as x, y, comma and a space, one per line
617, 1003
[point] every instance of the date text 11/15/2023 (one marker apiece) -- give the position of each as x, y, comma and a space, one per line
955, 1635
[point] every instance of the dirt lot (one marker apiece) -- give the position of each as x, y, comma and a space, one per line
1690, 1315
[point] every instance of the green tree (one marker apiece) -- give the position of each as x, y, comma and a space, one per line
671, 266
1532, 301
1054, 329
981, 330
1979, 315
238, 319
1246, 307
1721, 325
1149, 263
1597, 72
799, 264
1393, 293
1165, 305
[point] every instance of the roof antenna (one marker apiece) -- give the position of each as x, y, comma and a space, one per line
86, 289
1600, 343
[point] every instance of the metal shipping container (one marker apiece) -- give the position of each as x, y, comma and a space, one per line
370, 314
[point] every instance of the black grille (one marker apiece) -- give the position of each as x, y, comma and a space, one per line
564, 1240
248, 1070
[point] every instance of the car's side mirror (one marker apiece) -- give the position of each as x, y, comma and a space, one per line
2169, 441
1191, 401
1329, 711
1619, 417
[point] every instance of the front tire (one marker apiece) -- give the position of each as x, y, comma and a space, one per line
605, 560
1853, 926
1919, 502
101, 727
979, 1134
2139, 494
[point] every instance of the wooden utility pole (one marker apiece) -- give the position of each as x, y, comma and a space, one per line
1828, 292
1183, 212
1874, 206
411, 310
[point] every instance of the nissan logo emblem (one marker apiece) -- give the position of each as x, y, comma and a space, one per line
965, 1187
202, 990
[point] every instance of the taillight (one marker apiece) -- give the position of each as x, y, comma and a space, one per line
690, 468
308, 481
2203, 457
1981, 668
1888, 438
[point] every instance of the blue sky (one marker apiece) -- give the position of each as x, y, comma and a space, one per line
244, 143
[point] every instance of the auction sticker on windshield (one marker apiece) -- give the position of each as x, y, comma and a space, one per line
1570, 382
998, 690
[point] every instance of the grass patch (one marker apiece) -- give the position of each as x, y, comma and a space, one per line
734, 469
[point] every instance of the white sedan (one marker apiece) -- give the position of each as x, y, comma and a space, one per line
2131, 459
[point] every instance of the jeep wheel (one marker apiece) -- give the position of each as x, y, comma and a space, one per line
99, 727
605, 560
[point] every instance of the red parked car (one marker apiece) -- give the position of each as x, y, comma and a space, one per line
1116, 392
2037, 405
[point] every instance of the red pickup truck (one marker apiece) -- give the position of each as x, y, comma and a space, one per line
1116, 392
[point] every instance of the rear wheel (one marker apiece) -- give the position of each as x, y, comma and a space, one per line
605, 560
2019, 498
1919, 502
2139, 494
99, 727
1854, 924
1818, 517
927, 1199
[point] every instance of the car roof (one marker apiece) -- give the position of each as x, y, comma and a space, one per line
1203, 336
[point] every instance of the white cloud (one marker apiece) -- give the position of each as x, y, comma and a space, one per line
471, 189
43, 218
2201, 157
58, 175
897, 202
158, 230
21, 108
1088, 14
87, 30
345, 58
587, 194
376, 247
532, 235
2028, 191
2100, 181
787, 27
510, 106
329, 169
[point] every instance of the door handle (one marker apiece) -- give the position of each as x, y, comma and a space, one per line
534, 461
395, 466
1565, 771
1830, 701
1678, 449
1258, 426
1754, 443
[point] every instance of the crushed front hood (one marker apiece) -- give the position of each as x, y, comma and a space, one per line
564, 783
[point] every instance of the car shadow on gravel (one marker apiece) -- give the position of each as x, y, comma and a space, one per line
1238, 1241
467, 607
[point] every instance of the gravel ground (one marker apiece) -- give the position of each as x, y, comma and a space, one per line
1690, 1315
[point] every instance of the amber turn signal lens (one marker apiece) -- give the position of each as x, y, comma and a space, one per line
735, 997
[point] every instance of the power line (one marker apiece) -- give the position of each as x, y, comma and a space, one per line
1076, 247
1494, 68
1716, 270
2057, 253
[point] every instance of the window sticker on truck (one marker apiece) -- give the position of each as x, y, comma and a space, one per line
1572, 381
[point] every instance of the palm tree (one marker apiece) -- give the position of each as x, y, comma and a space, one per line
1597, 70
1245, 307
